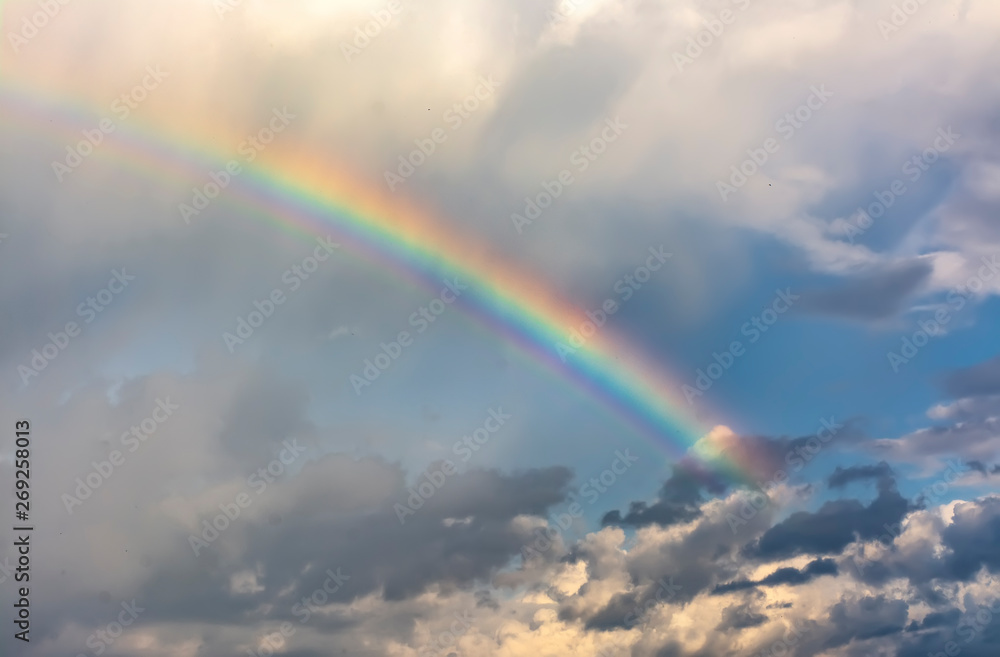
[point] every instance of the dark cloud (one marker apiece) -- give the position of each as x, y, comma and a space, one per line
971, 542
616, 614
983, 469
936, 619
841, 477
834, 526
740, 617
485, 598
791, 576
981, 379
626, 610
679, 499
692, 482
979, 467
875, 295
974, 539
344, 522
671, 649
949, 631
867, 618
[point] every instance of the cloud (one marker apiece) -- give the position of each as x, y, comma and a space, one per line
866, 618
872, 296
788, 575
841, 477
455, 568
981, 379
833, 526
741, 617
967, 429
983, 469
972, 538
679, 499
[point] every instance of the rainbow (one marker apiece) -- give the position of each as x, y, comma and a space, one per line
298, 192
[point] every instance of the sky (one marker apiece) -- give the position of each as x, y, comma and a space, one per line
647, 328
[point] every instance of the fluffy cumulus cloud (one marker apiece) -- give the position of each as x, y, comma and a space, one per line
185, 336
